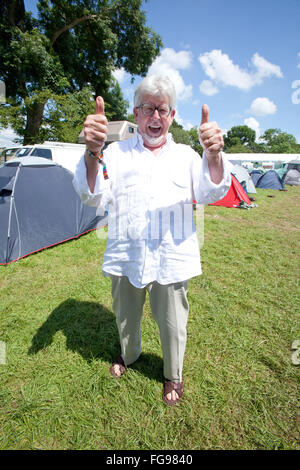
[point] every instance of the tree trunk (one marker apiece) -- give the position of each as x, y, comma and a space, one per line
34, 112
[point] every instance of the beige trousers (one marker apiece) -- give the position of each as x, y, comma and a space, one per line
169, 306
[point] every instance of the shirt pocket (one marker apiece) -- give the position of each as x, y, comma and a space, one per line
180, 179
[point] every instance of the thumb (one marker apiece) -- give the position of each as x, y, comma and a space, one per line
99, 105
205, 114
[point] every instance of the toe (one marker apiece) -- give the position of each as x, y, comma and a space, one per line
173, 396
117, 370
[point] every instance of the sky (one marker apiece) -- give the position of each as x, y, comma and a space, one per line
240, 57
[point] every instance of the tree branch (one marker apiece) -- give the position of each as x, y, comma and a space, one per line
15, 12
70, 26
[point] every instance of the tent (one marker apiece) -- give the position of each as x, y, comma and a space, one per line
235, 197
39, 208
270, 180
243, 178
255, 175
292, 178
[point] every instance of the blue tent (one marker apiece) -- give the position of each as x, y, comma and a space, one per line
270, 180
39, 208
255, 175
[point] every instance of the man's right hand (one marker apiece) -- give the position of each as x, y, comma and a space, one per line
95, 127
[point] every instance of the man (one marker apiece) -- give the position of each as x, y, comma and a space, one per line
149, 183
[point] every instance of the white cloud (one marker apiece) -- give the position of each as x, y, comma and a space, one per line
220, 68
265, 69
208, 88
168, 63
119, 75
177, 60
253, 124
188, 126
262, 107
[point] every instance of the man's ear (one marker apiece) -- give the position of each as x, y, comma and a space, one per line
135, 112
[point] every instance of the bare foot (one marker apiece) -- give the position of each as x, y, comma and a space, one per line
172, 392
118, 367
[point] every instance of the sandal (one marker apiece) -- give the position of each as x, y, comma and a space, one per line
119, 361
168, 387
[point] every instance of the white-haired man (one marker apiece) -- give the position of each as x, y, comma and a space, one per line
149, 182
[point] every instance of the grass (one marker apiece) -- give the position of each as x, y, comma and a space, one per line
241, 387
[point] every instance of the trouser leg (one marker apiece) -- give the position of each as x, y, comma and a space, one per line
170, 309
128, 302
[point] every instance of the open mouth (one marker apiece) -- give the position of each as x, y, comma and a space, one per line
154, 129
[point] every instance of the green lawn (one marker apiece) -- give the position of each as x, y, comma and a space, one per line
241, 386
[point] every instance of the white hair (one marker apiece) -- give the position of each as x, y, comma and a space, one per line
155, 85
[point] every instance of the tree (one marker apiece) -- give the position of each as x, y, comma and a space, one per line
237, 147
240, 137
276, 141
72, 44
179, 134
194, 140
188, 137
64, 115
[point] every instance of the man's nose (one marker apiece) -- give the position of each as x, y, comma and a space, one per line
156, 114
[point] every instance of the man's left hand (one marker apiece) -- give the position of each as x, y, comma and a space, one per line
210, 136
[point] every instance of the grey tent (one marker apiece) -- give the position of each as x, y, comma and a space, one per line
39, 208
292, 177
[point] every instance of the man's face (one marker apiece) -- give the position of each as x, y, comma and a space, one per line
154, 129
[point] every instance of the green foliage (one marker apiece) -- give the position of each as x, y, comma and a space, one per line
241, 139
194, 140
236, 146
277, 141
73, 44
188, 137
65, 114
179, 134
241, 387
130, 117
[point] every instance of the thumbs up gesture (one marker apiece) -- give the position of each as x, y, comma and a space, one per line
95, 127
210, 135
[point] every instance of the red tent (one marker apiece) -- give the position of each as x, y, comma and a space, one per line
235, 195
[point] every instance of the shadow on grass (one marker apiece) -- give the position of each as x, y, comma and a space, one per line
91, 331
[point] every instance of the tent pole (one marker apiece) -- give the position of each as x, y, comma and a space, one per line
12, 203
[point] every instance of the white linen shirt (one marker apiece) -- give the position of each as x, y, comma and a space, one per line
151, 231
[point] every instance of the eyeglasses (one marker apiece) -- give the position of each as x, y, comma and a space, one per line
149, 110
